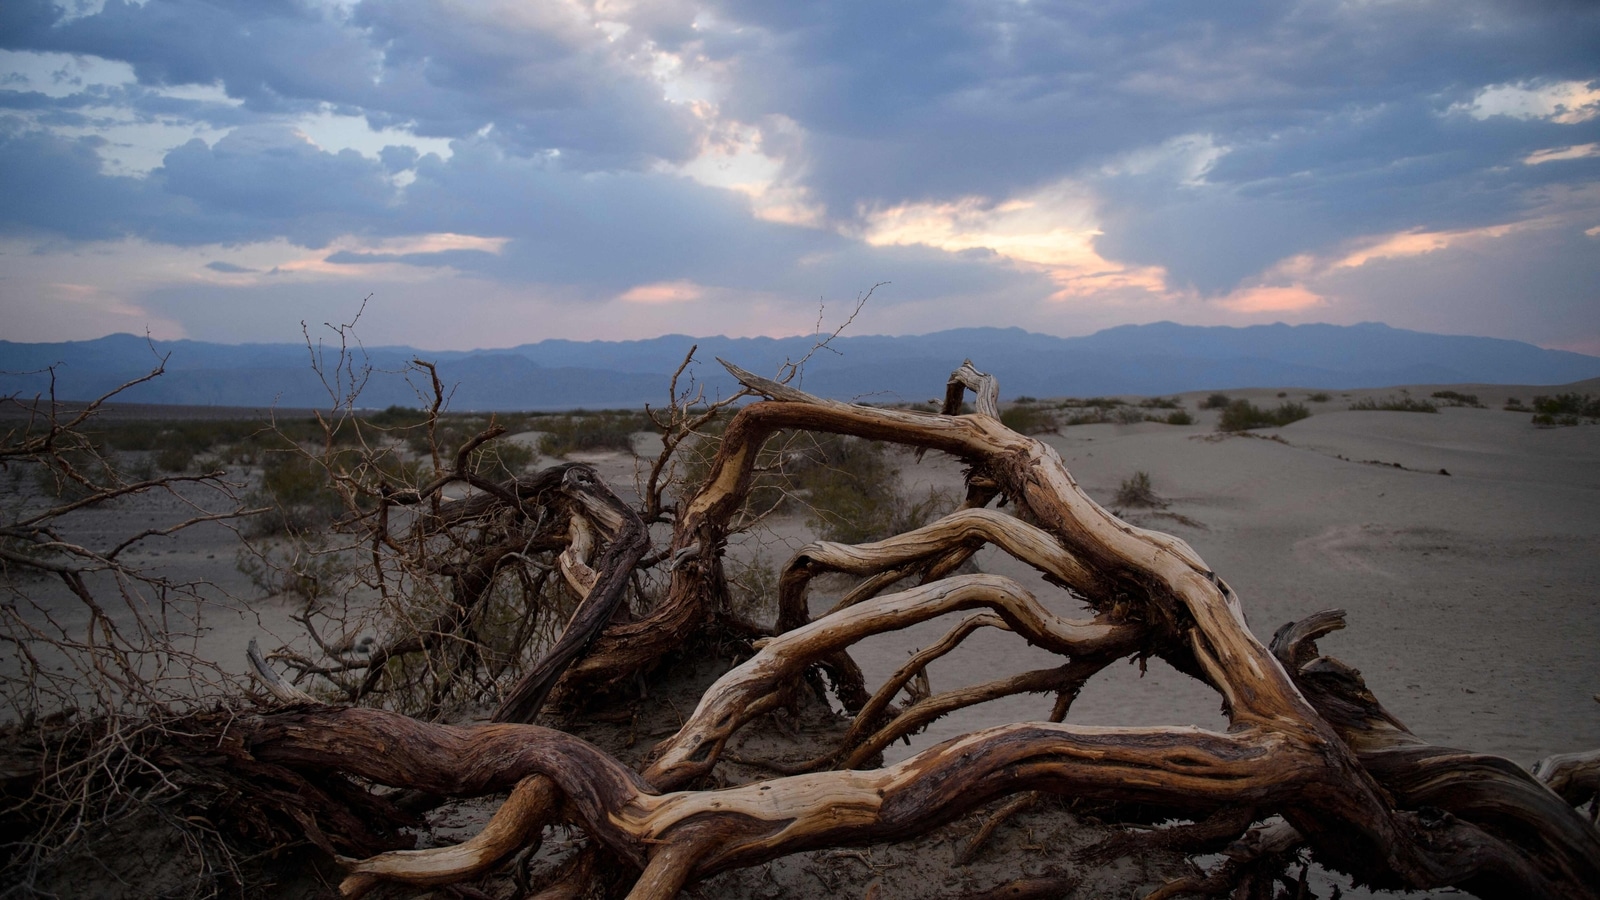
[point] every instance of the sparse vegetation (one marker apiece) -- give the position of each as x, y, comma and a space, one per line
1394, 403
1318, 397
1456, 398
1160, 403
1565, 409
1111, 411
1026, 418
581, 431
1215, 401
850, 489
1137, 490
1242, 415
294, 489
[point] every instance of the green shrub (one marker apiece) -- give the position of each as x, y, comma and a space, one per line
852, 489
295, 489
91, 461
501, 459
1565, 409
398, 417
1215, 401
1029, 419
1087, 417
584, 431
1456, 398
1318, 397
176, 458
1160, 403
1393, 403
1090, 403
1177, 417
1242, 415
1568, 405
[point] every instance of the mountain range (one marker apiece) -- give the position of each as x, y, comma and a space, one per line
1160, 358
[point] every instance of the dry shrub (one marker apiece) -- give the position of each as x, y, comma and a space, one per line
1137, 490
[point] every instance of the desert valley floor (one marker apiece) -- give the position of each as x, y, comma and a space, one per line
1464, 545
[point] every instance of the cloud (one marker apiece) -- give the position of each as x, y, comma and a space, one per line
663, 292
1561, 154
1566, 102
1268, 299
1052, 230
1027, 163
228, 268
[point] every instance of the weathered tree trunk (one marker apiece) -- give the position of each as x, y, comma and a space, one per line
604, 586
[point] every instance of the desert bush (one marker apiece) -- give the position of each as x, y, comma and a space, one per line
1087, 417
501, 459
1137, 490
752, 587
1090, 403
173, 459
1025, 419
1456, 398
585, 431
76, 471
398, 417
294, 489
1394, 403
1566, 407
1515, 405
1242, 415
1177, 417
1215, 401
851, 489
1318, 397
1160, 403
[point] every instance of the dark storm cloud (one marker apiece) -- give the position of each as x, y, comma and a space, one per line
54, 185
1335, 115
1039, 88
1364, 172
254, 184
552, 84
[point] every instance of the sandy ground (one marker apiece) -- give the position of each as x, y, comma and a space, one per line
1471, 596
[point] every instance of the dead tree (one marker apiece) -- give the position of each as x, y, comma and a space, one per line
1306, 741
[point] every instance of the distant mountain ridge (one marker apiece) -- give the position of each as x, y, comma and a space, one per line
1162, 358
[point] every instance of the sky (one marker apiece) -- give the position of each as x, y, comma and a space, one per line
498, 173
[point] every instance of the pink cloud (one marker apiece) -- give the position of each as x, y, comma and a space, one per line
663, 292
1268, 298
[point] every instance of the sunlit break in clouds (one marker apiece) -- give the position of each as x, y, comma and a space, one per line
495, 173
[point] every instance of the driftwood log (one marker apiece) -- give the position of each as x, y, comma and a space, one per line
1306, 739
